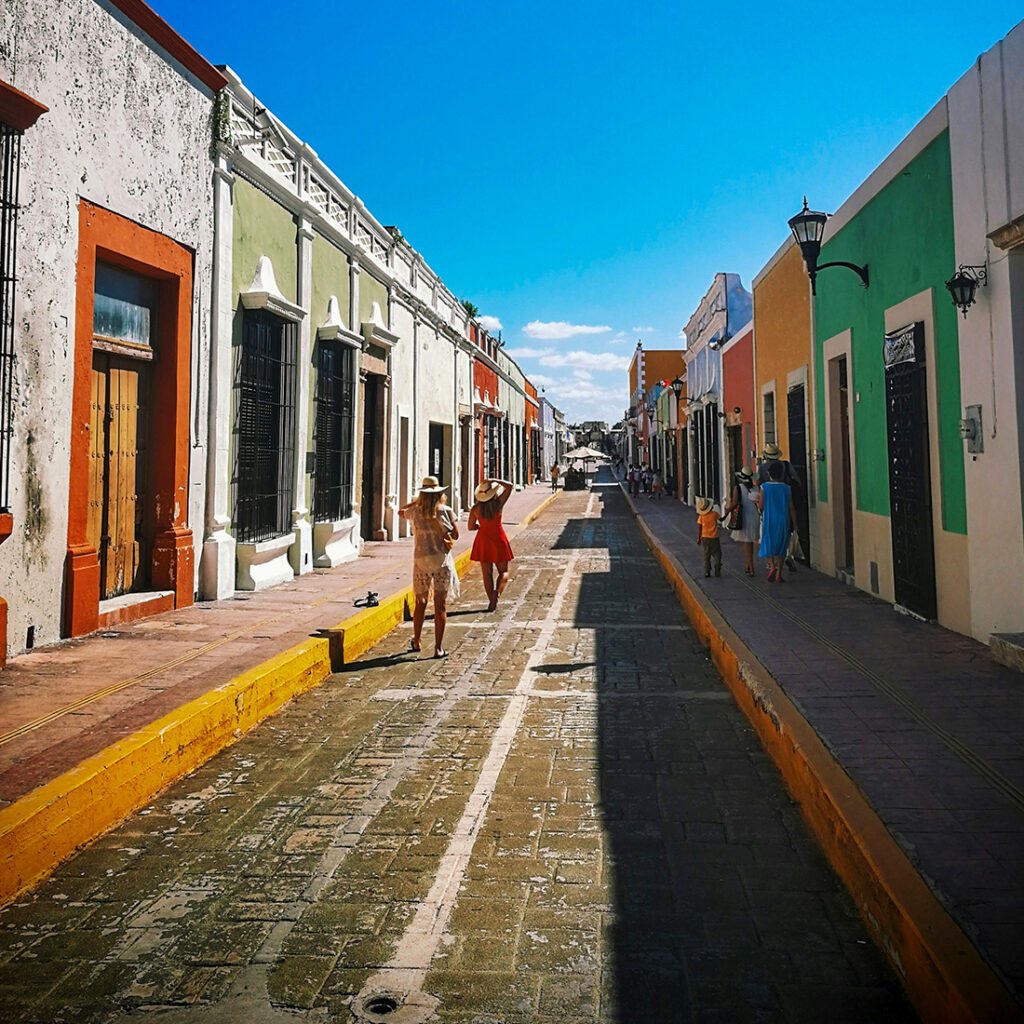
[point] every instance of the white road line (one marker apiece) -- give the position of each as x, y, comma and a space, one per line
405, 973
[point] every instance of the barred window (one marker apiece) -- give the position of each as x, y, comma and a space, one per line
265, 427
332, 432
10, 153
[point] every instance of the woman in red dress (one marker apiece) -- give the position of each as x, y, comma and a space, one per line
491, 547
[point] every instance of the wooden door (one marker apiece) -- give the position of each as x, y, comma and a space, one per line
117, 473
797, 417
910, 499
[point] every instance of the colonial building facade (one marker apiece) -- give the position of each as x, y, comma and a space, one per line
115, 242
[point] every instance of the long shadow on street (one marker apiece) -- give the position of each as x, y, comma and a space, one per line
724, 909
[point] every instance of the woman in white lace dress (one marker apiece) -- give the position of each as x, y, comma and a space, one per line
434, 532
744, 496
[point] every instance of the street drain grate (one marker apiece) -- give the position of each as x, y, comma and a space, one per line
381, 1005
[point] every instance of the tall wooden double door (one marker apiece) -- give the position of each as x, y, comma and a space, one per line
117, 521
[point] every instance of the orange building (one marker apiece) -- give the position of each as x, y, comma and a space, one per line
782, 357
647, 368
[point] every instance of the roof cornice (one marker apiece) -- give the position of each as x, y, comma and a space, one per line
160, 32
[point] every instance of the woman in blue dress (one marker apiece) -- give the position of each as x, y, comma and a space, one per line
778, 516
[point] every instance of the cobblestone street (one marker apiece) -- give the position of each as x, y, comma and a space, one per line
567, 820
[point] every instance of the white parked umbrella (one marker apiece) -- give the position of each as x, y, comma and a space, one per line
583, 453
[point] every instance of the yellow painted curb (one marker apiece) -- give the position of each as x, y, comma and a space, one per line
45, 827
50, 823
943, 972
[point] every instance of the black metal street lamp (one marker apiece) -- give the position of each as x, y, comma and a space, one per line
808, 228
677, 387
963, 286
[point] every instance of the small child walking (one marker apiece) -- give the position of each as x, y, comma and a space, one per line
707, 536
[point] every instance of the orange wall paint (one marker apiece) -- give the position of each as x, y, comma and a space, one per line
782, 337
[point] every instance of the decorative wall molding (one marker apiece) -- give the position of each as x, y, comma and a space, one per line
334, 329
263, 293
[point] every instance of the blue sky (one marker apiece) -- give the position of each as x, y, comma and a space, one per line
580, 171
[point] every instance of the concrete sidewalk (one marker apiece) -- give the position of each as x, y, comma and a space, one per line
72, 704
922, 720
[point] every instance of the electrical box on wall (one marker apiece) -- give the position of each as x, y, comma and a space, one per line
970, 429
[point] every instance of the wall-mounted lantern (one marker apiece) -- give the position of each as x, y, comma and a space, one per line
677, 387
963, 286
808, 228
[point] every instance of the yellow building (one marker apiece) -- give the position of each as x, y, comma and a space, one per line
782, 384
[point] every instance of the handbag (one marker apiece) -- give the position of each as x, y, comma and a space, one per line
447, 538
735, 518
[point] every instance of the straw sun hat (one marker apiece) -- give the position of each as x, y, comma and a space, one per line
745, 475
431, 486
487, 490
703, 505
772, 452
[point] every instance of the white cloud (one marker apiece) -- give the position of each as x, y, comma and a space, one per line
526, 353
555, 329
542, 380
642, 330
600, 361
489, 323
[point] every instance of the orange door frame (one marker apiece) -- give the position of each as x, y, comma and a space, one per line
115, 239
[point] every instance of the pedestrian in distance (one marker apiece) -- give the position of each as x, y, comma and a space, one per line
656, 485
491, 547
707, 536
554, 477
743, 504
778, 516
647, 479
433, 567
773, 453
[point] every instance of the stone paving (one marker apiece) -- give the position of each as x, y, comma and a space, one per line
62, 703
925, 722
566, 820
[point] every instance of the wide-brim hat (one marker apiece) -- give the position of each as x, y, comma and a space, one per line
430, 485
772, 451
486, 491
745, 475
704, 505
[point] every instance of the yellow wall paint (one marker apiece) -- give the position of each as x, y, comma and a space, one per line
782, 338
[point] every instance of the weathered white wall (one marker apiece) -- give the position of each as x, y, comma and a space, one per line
130, 132
986, 138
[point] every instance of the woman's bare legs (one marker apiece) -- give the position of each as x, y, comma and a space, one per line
748, 554
419, 611
440, 620
502, 580
488, 570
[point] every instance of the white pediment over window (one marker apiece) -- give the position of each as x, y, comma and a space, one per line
334, 329
376, 331
263, 293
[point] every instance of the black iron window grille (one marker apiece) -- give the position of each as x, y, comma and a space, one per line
332, 432
265, 427
10, 154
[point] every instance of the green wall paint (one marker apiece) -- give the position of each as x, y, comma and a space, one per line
330, 277
905, 235
262, 228
371, 291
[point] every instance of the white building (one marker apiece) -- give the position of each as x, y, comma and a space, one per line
986, 142
108, 407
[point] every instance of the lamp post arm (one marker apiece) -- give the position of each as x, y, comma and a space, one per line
861, 272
